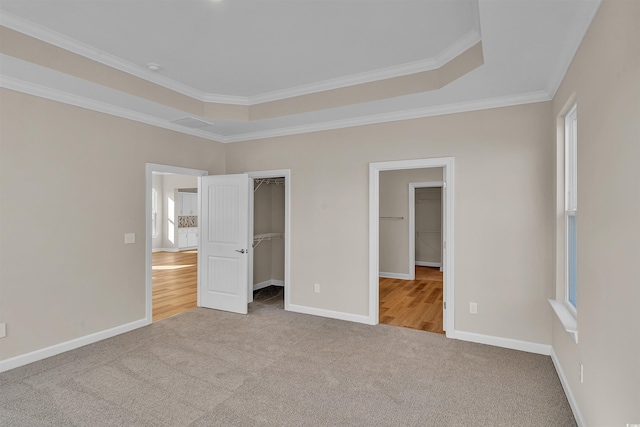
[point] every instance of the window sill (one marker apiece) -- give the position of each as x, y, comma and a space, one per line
567, 318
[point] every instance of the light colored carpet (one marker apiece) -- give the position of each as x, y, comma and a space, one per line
276, 368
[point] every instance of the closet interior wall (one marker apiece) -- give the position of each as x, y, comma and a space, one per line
268, 253
428, 226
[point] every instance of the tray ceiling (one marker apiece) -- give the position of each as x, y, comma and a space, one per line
259, 68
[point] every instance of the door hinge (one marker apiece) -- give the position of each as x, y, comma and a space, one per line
444, 304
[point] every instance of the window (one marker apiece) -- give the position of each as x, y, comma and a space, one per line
571, 206
154, 213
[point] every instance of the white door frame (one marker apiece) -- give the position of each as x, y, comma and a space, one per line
447, 163
149, 169
412, 222
286, 173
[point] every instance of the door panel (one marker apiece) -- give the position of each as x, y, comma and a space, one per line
224, 242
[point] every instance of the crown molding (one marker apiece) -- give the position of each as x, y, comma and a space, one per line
225, 99
569, 53
90, 104
462, 107
56, 39
462, 45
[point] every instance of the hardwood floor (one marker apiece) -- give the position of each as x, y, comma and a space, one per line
415, 304
174, 278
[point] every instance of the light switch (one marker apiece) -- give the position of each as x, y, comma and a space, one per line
129, 238
3, 330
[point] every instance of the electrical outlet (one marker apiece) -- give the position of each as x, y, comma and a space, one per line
473, 308
129, 238
581, 373
316, 288
3, 330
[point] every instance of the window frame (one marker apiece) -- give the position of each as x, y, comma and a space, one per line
571, 207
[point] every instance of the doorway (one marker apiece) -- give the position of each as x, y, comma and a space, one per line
375, 217
171, 258
415, 302
225, 253
269, 227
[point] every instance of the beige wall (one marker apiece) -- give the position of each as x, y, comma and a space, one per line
394, 202
429, 222
604, 78
503, 227
65, 271
277, 226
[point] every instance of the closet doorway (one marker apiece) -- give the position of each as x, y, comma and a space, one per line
269, 226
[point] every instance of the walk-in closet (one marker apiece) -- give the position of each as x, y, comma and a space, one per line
268, 239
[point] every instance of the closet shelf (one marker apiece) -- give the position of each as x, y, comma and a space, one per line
259, 181
258, 238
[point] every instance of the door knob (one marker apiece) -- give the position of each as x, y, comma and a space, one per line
241, 251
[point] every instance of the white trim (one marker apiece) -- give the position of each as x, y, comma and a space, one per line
53, 350
165, 250
456, 49
266, 283
349, 317
286, 173
530, 347
573, 403
567, 317
417, 113
447, 163
149, 169
428, 264
90, 104
402, 276
412, 223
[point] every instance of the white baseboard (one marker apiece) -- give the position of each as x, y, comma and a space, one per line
270, 282
165, 250
34, 356
428, 264
527, 346
394, 275
567, 390
358, 318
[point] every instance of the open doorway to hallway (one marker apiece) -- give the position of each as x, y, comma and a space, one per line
174, 233
417, 303
172, 240
411, 235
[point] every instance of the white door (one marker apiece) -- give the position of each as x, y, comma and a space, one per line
224, 241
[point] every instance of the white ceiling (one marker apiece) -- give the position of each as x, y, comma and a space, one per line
241, 50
